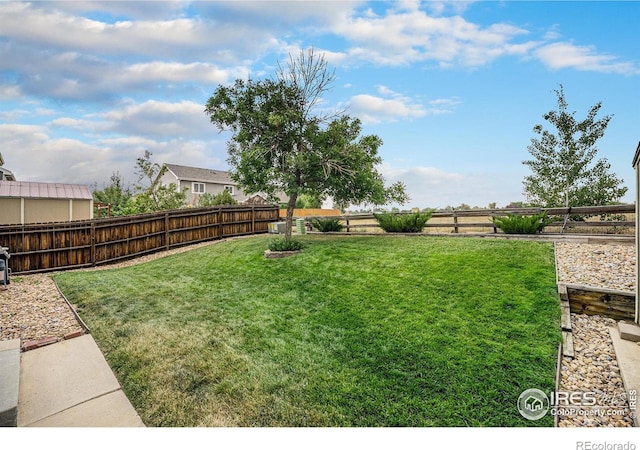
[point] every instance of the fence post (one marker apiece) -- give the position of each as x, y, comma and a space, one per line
455, 221
220, 222
253, 219
166, 230
92, 252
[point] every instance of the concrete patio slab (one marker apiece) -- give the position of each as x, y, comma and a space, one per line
628, 355
9, 382
110, 410
62, 381
629, 331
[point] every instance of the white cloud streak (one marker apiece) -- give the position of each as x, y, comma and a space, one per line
409, 35
563, 55
391, 106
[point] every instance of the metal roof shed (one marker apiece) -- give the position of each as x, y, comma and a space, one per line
23, 202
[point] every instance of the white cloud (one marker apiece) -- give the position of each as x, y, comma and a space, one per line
145, 9
150, 121
27, 23
391, 106
407, 35
435, 188
179, 73
155, 118
32, 154
216, 32
439, 7
10, 92
443, 105
372, 109
84, 126
28, 149
72, 75
561, 55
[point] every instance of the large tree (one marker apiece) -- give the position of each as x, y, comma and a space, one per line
563, 169
283, 142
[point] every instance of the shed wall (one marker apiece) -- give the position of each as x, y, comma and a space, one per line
9, 211
82, 210
49, 210
43, 210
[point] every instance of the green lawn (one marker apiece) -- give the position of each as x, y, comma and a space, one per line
354, 331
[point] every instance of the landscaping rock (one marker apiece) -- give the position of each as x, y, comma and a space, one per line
32, 309
598, 265
594, 369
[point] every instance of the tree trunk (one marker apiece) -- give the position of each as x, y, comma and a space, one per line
289, 220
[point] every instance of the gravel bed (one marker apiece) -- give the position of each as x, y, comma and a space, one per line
33, 309
598, 265
594, 370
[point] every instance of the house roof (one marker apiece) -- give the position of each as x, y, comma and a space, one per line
186, 173
636, 158
6, 174
26, 189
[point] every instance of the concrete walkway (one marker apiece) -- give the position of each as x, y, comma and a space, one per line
70, 384
628, 355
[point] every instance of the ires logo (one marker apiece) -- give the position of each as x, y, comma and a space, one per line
534, 404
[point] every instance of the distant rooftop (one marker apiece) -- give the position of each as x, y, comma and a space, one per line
27, 189
5, 174
187, 173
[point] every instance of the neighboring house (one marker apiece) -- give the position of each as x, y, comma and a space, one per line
5, 174
23, 202
200, 181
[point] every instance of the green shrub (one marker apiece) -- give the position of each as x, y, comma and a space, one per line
512, 224
403, 223
326, 225
223, 198
282, 245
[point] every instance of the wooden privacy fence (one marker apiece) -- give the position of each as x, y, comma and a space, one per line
65, 245
481, 219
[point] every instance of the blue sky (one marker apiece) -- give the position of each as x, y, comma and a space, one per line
453, 88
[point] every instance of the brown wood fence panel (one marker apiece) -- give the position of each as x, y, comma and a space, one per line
56, 246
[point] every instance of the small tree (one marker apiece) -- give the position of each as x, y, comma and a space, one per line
151, 194
563, 170
114, 194
281, 142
